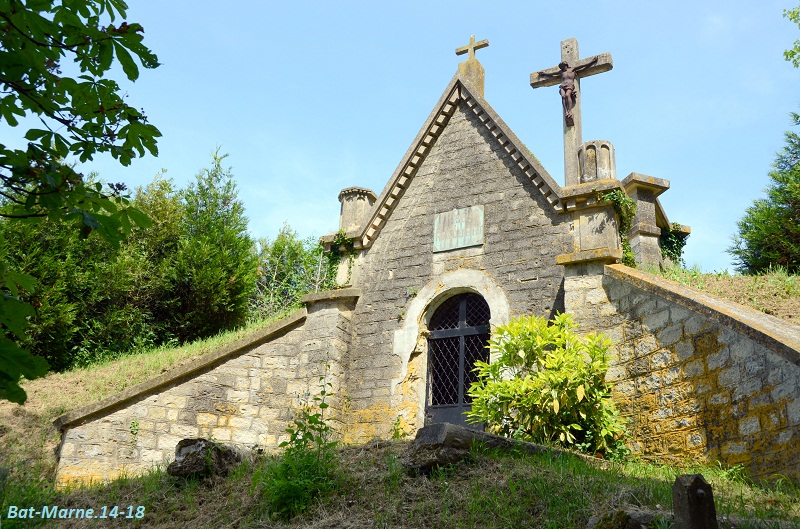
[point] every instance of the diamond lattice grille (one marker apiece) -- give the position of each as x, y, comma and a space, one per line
446, 316
477, 311
444, 371
474, 349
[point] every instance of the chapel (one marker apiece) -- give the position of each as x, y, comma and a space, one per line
469, 231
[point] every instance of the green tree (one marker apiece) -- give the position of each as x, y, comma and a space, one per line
769, 233
216, 265
92, 299
79, 117
288, 268
793, 55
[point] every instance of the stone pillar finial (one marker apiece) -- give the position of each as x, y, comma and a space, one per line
356, 205
471, 68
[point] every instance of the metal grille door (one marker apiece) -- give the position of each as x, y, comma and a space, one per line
459, 331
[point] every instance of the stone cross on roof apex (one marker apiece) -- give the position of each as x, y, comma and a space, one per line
471, 47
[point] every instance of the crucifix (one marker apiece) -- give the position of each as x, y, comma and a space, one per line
568, 76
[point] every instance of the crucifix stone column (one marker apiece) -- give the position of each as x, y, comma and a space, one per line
568, 76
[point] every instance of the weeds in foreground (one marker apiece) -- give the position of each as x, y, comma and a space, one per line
495, 489
307, 469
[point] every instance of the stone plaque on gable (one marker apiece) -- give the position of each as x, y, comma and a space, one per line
458, 228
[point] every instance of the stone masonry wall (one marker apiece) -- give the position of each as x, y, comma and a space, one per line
522, 235
246, 398
696, 377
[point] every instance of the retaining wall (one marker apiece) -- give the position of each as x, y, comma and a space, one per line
244, 395
695, 376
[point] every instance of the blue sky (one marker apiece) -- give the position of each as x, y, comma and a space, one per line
309, 98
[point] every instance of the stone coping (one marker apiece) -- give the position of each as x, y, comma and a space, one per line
774, 333
182, 372
657, 185
590, 189
332, 295
599, 254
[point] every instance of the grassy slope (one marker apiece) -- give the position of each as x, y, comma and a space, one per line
776, 293
491, 491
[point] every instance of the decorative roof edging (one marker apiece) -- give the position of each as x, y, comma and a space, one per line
459, 89
181, 373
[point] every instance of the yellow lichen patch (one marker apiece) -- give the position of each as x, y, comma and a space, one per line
69, 476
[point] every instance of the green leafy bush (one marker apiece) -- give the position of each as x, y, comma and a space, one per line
307, 469
547, 385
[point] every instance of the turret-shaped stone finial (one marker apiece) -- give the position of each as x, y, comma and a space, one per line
356, 205
471, 68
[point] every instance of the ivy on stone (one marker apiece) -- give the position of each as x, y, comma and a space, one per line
625, 207
672, 241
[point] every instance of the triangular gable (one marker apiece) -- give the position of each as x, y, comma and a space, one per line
459, 89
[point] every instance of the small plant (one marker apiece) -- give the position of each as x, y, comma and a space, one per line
398, 432
308, 468
134, 429
548, 386
625, 208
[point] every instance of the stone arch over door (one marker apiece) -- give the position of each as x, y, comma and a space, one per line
408, 391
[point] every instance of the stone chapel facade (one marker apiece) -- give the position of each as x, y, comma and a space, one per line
469, 231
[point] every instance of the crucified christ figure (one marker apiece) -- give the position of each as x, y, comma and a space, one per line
567, 86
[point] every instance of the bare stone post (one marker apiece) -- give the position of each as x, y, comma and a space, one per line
693, 503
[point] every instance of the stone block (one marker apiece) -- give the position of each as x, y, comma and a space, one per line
172, 401
168, 442
661, 359
684, 349
221, 434
657, 320
670, 335
730, 378
694, 369
747, 388
237, 396
183, 430
645, 345
245, 437
784, 389
695, 324
793, 412
719, 360
749, 426
719, 399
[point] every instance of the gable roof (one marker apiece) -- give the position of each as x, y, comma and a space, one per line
460, 89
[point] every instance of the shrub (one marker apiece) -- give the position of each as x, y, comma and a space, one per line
547, 385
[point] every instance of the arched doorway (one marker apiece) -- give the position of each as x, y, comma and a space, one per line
459, 332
